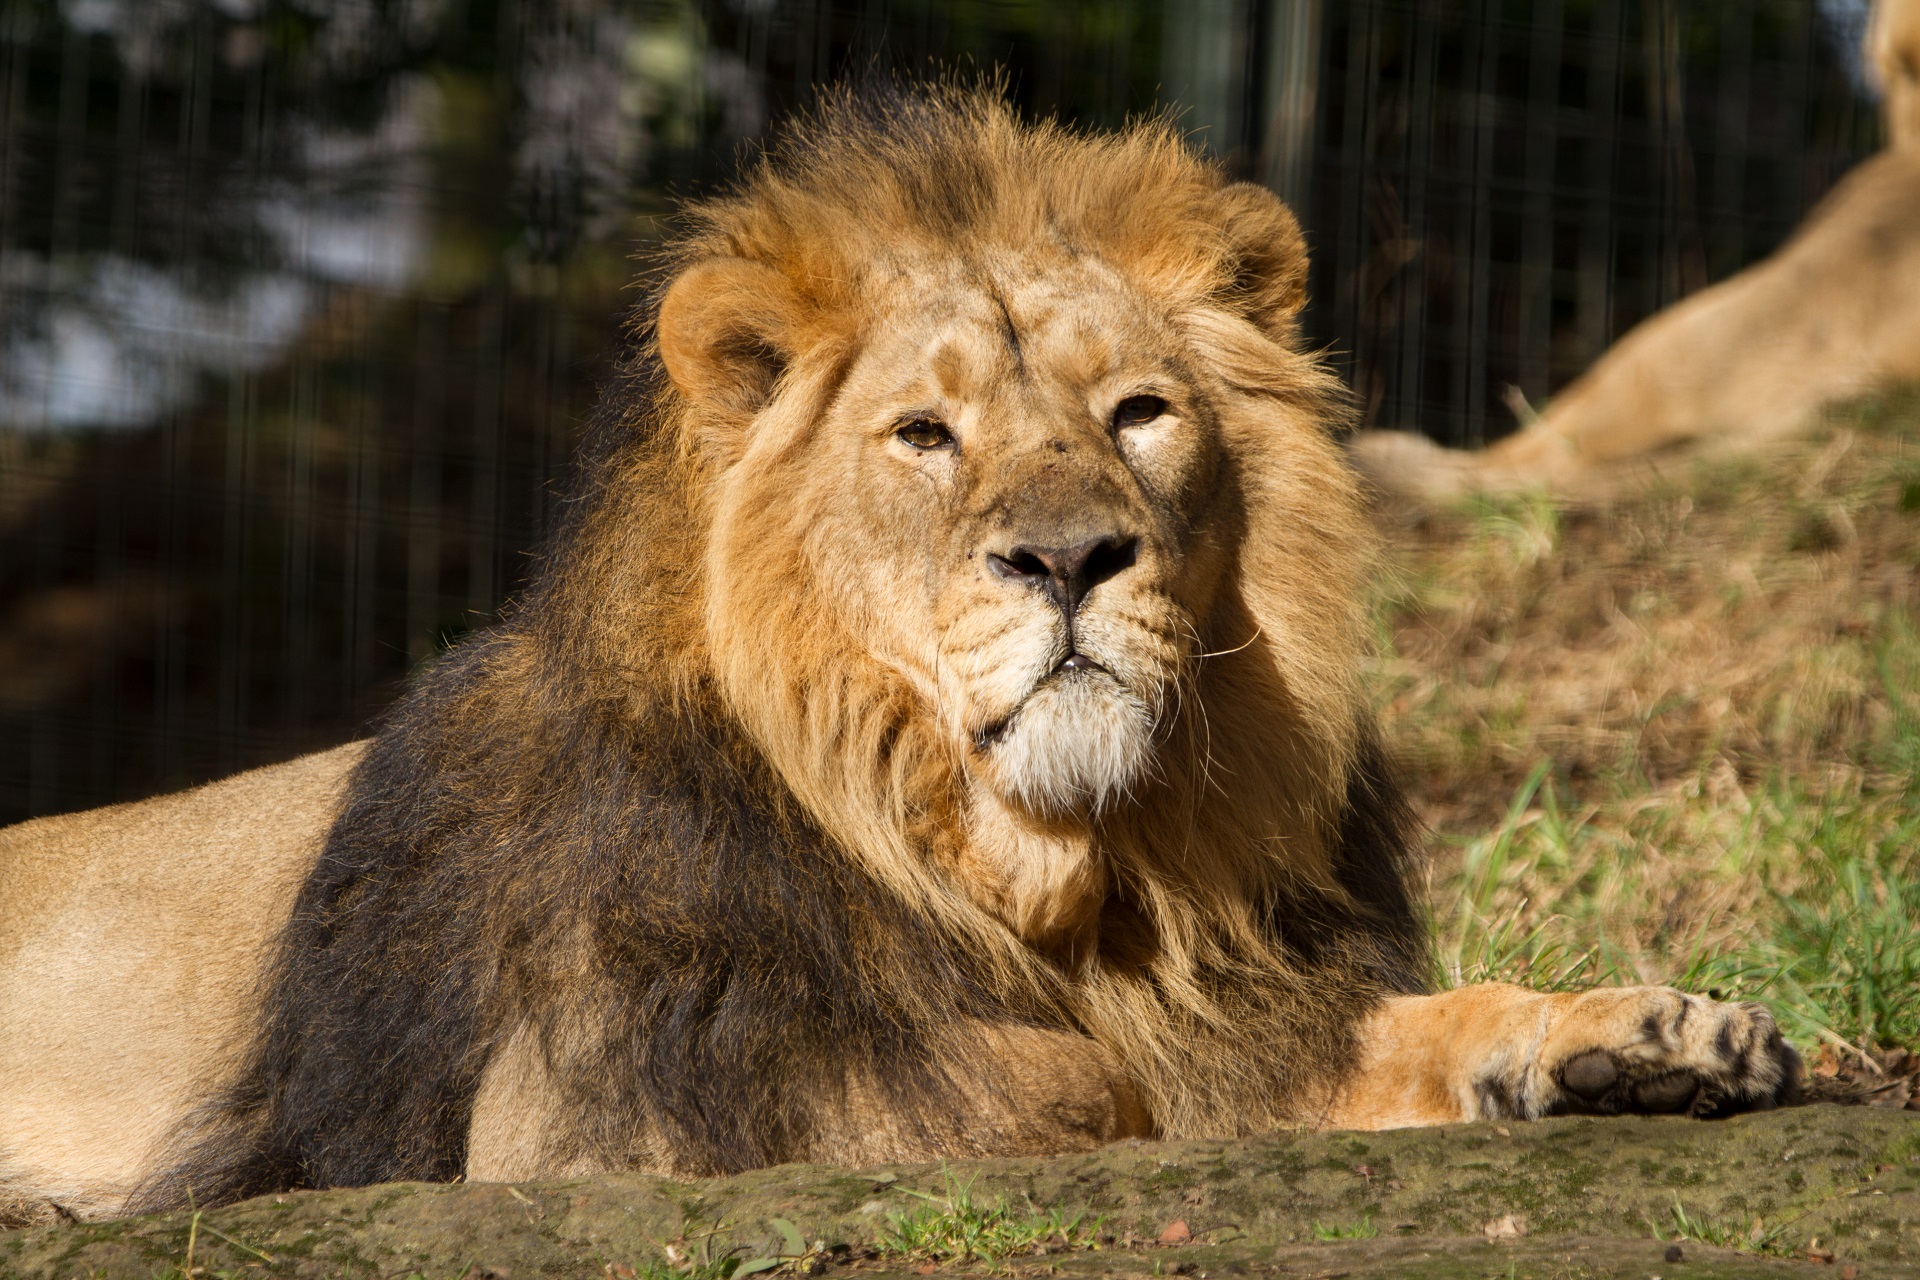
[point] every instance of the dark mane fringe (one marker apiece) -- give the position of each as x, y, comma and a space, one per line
539, 836
1379, 840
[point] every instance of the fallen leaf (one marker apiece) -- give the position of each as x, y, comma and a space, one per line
1177, 1232
790, 1236
1508, 1226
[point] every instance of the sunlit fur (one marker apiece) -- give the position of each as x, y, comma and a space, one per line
1893, 45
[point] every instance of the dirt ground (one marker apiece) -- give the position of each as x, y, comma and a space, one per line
1571, 1197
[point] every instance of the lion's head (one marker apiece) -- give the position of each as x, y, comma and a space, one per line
1026, 538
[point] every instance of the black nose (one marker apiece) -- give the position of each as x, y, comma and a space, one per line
1066, 574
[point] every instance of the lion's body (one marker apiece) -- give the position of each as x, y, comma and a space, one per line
1834, 315
937, 731
131, 939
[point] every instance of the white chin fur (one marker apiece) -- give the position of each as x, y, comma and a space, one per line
1078, 741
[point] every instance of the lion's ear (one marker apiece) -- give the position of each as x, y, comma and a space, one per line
726, 331
1270, 275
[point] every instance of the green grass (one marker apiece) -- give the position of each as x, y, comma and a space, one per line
1751, 1236
188, 1269
953, 1227
1365, 1229
1830, 944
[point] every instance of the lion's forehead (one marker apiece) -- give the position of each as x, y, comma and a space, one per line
960, 328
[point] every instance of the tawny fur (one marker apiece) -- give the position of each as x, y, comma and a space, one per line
1893, 47
775, 823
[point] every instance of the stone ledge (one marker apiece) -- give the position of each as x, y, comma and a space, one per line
1588, 1195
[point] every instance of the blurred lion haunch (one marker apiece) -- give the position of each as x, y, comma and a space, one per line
936, 731
1833, 316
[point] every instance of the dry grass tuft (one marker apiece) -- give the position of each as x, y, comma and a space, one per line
1675, 737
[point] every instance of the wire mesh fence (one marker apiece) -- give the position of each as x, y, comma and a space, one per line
302, 301
1502, 189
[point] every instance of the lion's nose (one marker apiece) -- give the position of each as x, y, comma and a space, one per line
1066, 574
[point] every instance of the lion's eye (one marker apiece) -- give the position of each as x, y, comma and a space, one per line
925, 433
1137, 411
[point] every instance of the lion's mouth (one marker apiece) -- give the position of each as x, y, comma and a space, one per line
989, 736
1077, 739
1075, 665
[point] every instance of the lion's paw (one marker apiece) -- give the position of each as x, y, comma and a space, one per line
1654, 1050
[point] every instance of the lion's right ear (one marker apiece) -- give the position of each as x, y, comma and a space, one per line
727, 329
1270, 257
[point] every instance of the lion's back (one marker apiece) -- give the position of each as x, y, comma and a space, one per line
130, 943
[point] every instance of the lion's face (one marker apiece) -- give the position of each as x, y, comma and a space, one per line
1013, 489
1008, 496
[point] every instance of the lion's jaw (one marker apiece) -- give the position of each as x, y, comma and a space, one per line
1076, 741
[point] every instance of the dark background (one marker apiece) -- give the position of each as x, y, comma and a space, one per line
302, 303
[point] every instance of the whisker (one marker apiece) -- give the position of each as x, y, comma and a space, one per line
1221, 653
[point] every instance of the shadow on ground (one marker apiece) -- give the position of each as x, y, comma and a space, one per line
1567, 1198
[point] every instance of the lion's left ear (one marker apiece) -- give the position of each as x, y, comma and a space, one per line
727, 330
1270, 257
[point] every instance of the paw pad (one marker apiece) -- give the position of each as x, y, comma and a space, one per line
1656, 1051
1664, 1095
1589, 1075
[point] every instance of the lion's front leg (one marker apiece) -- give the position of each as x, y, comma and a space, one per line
1501, 1052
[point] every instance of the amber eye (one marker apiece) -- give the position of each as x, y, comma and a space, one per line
1137, 411
925, 433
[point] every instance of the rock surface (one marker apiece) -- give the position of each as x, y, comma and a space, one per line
1564, 1198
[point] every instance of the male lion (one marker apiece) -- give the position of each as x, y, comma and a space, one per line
937, 731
